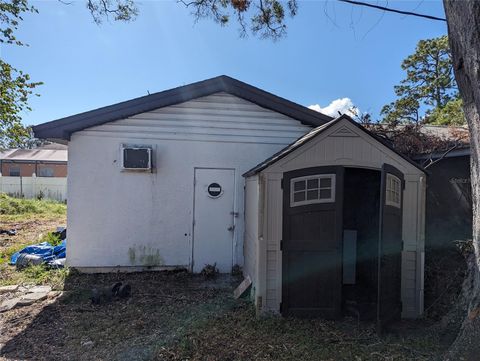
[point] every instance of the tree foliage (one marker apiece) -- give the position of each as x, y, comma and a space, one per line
265, 18
121, 10
403, 110
11, 12
16, 87
450, 114
15, 90
429, 87
412, 139
429, 73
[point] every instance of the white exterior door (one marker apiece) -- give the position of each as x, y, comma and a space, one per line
213, 223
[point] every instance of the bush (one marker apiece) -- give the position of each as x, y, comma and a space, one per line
51, 237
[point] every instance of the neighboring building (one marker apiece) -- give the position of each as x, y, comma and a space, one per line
449, 190
449, 194
165, 189
46, 161
38, 172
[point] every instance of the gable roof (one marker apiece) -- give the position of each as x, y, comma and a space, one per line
311, 135
34, 155
63, 128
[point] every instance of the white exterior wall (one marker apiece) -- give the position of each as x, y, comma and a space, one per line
346, 145
118, 219
33, 187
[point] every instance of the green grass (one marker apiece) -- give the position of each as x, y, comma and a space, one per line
6, 253
21, 208
33, 275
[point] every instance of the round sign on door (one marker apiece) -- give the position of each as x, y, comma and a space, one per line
214, 190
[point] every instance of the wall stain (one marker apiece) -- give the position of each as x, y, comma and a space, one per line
131, 255
145, 256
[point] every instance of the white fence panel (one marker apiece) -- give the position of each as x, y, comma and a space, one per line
35, 187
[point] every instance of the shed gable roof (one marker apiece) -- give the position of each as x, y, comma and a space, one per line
343, 132
63, 128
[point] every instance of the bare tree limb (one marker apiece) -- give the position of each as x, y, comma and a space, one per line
432, 162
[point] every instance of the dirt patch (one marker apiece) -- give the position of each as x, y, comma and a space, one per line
163, 307
179, 316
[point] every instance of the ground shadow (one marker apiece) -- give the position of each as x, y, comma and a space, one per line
180, 316
163, 306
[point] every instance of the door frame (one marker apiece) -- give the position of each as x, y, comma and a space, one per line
286, 177
234, 205
388, 169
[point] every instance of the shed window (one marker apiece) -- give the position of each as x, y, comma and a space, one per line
45, 172
318, 188
14, 171
393, 191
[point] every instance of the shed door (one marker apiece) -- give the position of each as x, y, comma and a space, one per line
312, 240
390, 246
213, 223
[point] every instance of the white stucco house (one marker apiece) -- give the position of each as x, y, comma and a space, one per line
319, 212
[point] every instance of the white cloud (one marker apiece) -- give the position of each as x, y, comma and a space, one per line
341, 105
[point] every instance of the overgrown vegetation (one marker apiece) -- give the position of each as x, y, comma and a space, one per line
412, 140
20, 208
179, 316
33, 221
51, 237
33, 275
240, 335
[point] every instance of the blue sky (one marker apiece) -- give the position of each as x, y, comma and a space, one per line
332, 51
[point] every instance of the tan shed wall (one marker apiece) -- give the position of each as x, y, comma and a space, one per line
346, 145
251, 228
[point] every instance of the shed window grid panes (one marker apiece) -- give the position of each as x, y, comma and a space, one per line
393, 191
312, 189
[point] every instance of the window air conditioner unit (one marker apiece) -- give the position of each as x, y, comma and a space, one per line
136, 157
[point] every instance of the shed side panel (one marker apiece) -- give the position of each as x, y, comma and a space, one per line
251, 228
273, 235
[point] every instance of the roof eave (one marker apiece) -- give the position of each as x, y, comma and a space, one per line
64, 127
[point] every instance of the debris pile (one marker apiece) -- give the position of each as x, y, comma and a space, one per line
8, 232
17, 296
52, 255
107, 294
210, 271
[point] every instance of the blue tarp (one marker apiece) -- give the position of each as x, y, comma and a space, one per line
44, 250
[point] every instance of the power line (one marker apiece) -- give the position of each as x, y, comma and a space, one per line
392, 10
